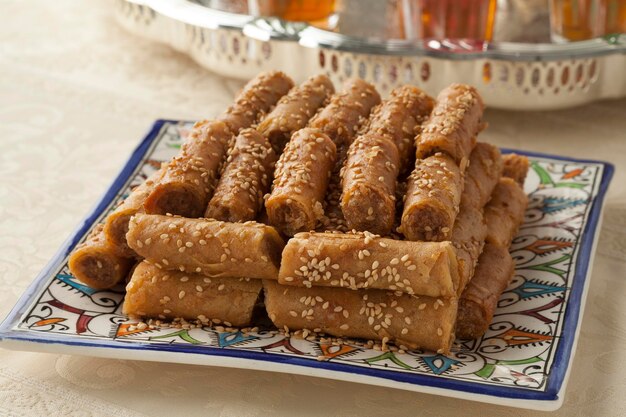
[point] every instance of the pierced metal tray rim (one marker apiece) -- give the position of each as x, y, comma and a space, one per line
265, 29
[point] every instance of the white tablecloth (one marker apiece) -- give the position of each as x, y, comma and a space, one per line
76, 95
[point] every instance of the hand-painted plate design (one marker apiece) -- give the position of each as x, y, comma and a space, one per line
522, 360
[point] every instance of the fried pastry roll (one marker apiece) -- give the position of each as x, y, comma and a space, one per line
479, 300
505, 212
468, 238
453, 125
300, 182
294, 110
399, 118
516, 167
96, 263
482, 175
256, 99
432, 199
156, 293
116, 223
341, 120
245, 179
208, 247
190, 177
411, 321
369, 183
343, 116
364, 260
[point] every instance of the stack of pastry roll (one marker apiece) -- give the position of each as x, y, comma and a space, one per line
504, 213
376, 158
361, 284
189, 179
304, 173
358, 218
220, 260
443, 149
199, 268
182, 186
341, 120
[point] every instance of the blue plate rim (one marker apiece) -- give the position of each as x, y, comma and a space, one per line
556, 376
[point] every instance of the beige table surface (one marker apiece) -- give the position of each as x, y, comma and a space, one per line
76, 95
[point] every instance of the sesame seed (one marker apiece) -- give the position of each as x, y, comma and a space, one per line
199, 288
181, 295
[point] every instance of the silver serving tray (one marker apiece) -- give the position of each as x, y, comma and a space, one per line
509, 75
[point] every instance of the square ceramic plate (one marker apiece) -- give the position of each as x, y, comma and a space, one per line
522, 360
